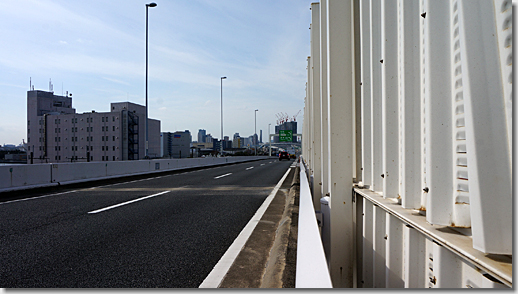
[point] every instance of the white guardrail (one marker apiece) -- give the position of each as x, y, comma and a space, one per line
25, 176
312, 271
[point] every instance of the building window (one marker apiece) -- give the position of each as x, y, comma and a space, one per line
114, 158
102, 138
28, 131
114, 127
28, 122
102, 121
113, 148
113, 138
114, 118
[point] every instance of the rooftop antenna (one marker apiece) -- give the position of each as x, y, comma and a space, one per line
30, 83
51, 87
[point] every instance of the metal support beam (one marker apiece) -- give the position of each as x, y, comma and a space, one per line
341, 94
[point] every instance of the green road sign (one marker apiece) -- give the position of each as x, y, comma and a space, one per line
285, 135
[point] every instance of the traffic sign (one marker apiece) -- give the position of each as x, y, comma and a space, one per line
285, 135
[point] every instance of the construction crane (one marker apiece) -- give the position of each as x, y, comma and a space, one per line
295, 116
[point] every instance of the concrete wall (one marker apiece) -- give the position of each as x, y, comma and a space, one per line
18, 177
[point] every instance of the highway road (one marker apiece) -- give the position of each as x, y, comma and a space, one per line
167, 231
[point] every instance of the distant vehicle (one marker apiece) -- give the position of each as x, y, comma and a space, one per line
293, 156
284, 155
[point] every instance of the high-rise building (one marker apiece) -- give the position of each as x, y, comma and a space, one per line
201, 135
56, 133
261, 137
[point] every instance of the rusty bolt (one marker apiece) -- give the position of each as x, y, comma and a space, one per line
383, 175
381, 61
423, 14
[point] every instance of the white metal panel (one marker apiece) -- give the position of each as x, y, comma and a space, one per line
423, 122
439, 174
394, 253
316, 105
324, 98
461, 214
376, 113
504, 18
414, 258
341, 94
368, 244
446, 268
379, 260
389, 99
410, 188
366, 93
489, 160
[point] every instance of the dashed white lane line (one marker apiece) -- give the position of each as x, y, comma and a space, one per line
127, 202
222, 176
250, 168
262, 164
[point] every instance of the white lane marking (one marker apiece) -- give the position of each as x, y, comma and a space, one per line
222, 176
270, 162
25, 199
215, 277
250, 168
128, 202
262, 164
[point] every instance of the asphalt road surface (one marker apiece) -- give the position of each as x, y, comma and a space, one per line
168, 231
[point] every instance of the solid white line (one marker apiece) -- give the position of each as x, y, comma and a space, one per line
215, 277
262, 164
222, 176
250, 168
128, 202
44, 196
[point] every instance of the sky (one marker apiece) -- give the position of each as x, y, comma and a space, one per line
96, 51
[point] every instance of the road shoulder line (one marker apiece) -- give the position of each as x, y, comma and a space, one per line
215, 277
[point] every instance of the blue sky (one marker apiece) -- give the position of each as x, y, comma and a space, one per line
96, 50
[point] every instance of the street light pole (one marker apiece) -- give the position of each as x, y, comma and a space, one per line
255, 130
221, 145
152, 4
269, 141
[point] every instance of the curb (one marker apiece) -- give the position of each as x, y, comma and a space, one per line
268, 258
280, 269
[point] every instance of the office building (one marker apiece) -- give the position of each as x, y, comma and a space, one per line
175, 145
56, 133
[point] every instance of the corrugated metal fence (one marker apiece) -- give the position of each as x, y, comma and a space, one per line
408, 130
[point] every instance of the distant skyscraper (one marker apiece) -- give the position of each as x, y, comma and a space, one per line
261, 138
201, 135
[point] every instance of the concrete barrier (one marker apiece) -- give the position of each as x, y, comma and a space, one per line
18, 177
22, 175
